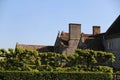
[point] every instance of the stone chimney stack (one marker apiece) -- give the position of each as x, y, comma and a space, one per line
74, 31
74, 37
96, 30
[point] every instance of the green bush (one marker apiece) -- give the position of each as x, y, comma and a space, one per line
67, 69
30, 60
103, 69
54, 76
45, 68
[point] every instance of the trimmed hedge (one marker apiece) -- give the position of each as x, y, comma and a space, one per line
26, 75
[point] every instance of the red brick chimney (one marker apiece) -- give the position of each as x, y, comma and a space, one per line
96, 30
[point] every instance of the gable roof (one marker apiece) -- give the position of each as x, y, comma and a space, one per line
114, 29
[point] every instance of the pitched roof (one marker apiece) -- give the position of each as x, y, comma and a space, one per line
90, 41
86, 35
64, 36
39, 48
114, 29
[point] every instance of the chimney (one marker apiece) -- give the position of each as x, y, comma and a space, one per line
74, 31
96, 30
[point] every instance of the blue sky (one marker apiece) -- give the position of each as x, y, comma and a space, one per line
38, 21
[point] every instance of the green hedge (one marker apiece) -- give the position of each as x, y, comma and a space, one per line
11, 75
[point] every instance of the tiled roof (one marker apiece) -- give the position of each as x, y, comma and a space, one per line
91, 41
64, 36
86, 35
39, 48
91, 35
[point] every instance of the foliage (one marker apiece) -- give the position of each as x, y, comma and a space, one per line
103, 69
91, 58
27, 75
20, 60
30, 60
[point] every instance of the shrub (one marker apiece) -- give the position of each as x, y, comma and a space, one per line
45, 68
29, 60
92, 58
103, 69
54, 76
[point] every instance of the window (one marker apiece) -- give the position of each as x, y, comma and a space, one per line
109, 44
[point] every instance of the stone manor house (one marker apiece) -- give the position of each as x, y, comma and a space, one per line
68, 42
